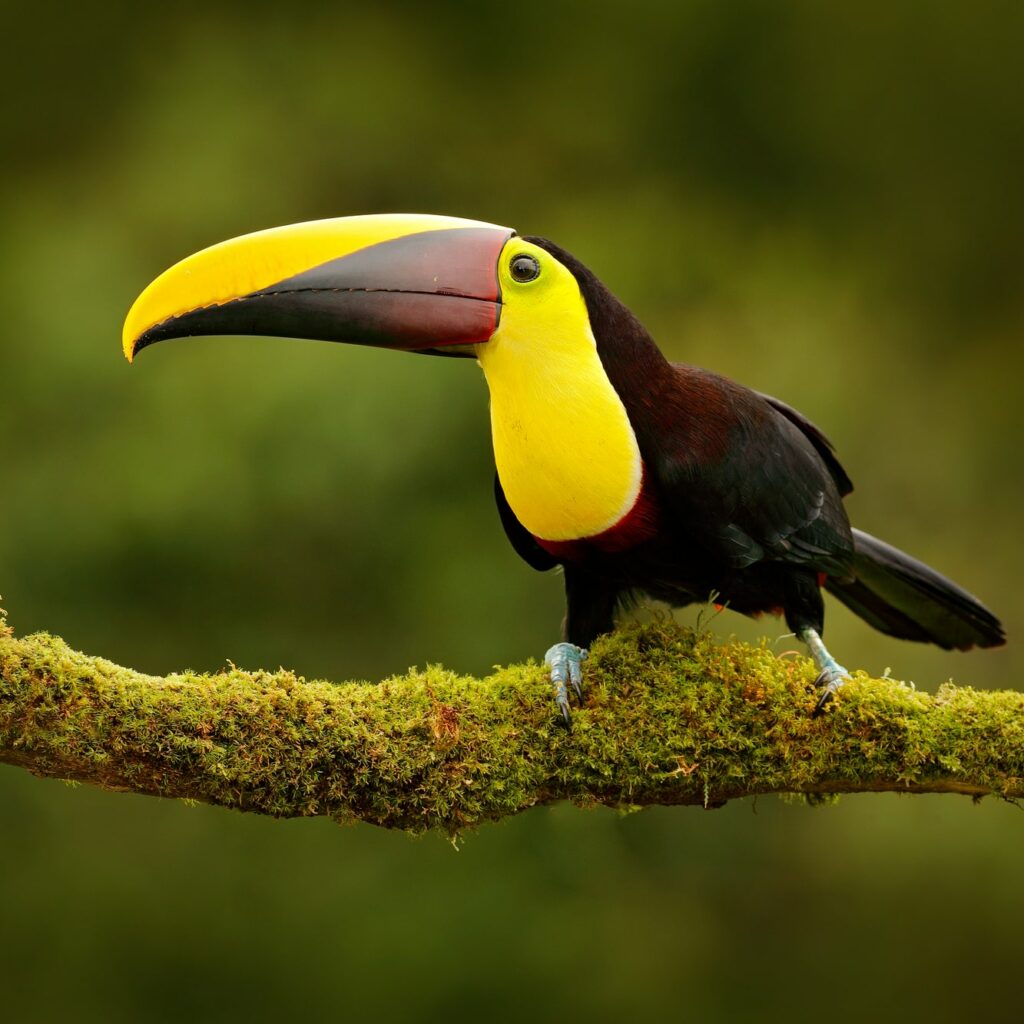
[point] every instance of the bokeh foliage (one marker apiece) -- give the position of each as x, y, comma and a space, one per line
823, 201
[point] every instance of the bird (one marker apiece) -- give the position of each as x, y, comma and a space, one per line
637, 476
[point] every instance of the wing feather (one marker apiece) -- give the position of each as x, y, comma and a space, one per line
748, 475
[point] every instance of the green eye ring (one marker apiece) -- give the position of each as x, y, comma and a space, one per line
524, 268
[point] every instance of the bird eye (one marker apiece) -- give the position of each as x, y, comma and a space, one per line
524, 268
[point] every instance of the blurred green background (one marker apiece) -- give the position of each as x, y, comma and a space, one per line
822, 200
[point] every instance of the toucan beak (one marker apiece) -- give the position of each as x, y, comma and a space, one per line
405, 281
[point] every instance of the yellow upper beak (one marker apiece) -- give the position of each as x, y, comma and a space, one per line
299, 280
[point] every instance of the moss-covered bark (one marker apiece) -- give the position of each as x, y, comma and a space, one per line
670, 718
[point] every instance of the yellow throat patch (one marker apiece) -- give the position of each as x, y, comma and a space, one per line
567, 457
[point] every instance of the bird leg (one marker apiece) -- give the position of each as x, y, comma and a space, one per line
564, 661
831, 675
589, 611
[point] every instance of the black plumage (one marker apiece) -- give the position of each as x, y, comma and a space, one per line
744, 496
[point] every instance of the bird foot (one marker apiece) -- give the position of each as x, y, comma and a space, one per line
831, 675
830, 678
564, 661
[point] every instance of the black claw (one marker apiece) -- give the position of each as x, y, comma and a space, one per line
830, 681
820, 706
563, 706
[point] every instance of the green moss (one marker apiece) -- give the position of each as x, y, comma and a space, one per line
671, 717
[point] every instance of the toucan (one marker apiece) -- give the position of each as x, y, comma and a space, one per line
637, 476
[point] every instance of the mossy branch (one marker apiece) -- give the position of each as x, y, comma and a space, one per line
670, 717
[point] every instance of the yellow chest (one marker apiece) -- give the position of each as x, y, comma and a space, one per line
567, 457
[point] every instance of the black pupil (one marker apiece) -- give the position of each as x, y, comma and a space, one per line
525, 268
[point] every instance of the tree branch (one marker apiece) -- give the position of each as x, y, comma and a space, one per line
670, 718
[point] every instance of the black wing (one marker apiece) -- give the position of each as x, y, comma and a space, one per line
822, 445
748, 476
522, 540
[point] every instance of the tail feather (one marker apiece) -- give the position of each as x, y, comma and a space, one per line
905, 598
